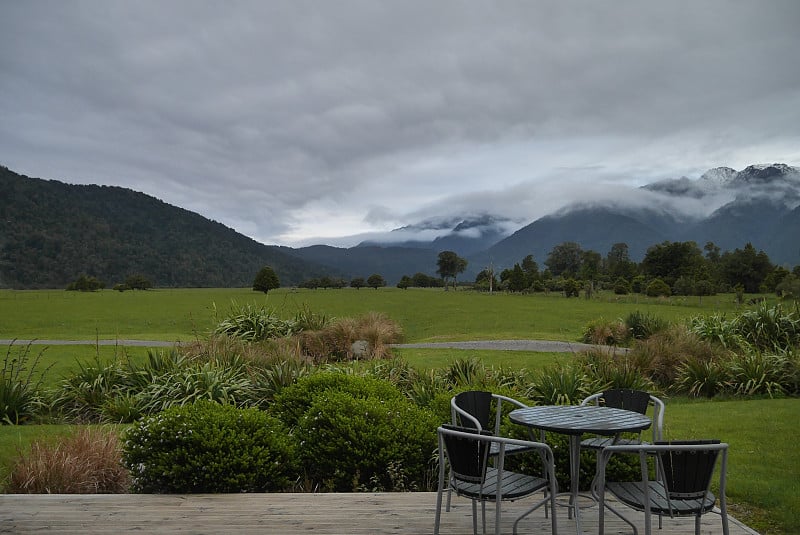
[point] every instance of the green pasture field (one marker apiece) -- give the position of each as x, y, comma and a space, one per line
426, 315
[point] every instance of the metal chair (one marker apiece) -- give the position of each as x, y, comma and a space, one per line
474, 409
466, 451
685, 470
632, 400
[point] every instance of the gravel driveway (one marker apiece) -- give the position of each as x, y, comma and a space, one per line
550, 346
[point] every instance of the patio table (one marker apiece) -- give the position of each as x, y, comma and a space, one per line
574, 421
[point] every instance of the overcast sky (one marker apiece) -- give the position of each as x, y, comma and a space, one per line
300, 120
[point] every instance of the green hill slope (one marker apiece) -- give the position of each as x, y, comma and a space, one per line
52, 232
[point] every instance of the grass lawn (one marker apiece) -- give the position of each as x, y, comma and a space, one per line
763, 464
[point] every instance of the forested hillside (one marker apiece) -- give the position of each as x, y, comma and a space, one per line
52, 232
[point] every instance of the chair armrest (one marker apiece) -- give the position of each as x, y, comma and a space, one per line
456, 411
592, 398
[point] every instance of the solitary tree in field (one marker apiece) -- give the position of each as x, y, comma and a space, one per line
375, 281
266, 280
449, 266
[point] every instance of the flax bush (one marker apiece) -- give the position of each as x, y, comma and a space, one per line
560, 384
253, 323
702, 377
20, 396
80, 397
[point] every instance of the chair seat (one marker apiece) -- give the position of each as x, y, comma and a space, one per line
632, 493
598, 443
513, 485
494, 449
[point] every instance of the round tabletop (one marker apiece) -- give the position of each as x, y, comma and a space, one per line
579, 419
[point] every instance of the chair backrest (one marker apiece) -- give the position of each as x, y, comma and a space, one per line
632, 400
687, 473
477, 404
624, 398
468, 457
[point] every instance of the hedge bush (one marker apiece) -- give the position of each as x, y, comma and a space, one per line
292, 403
208, 447
348, 442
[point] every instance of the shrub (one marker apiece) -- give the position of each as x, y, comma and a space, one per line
622, 287
269, 381
85, 284
208, 447
572, 288
87, 462
717, 329
19, 392
658, 288
347, 441
466, 371
292, 403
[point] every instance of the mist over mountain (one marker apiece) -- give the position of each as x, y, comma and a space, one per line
466, 235
730, 208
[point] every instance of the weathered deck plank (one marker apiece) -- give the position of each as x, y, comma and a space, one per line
290, 514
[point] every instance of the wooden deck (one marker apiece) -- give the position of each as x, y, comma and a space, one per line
288, 514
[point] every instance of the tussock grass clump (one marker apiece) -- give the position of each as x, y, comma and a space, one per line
661, 355
87, 462
335, 342
605, 332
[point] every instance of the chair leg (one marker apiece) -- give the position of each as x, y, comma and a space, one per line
697, 524
474, 517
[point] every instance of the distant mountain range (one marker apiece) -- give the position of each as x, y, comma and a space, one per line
760, 205
52, 232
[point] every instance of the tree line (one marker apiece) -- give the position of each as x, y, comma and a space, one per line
668, 268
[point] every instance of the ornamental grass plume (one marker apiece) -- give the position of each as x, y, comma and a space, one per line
86, 462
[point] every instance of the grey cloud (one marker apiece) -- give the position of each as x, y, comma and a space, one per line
262, 114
